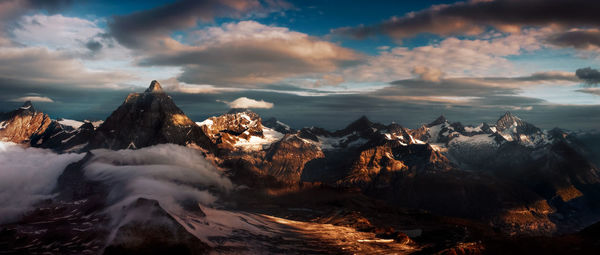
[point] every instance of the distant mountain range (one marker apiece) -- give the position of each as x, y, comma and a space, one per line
510, 175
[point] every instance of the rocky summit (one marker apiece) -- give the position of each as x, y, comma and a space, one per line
146, 119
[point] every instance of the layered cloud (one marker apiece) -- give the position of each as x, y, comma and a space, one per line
244, 102
248, 53
151, 28
473, 17
32, 99
503, 92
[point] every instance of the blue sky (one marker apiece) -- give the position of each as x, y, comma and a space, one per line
402, 61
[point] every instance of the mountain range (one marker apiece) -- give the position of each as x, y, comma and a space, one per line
469, 188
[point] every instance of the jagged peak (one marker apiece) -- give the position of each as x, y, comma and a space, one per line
362, 121
154, 87
238, 110
507, 119
358, 125
27, 106
440, 120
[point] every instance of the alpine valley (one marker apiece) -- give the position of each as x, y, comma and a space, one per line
150, 180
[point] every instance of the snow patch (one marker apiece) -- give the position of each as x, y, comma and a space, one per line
70, 123
207, 122
259, 143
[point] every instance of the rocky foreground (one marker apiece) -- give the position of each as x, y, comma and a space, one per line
504, 187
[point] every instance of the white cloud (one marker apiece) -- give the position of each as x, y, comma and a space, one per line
55, 32
33, 99
244, 102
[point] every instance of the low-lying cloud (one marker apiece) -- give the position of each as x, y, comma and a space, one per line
28, 175
170, 174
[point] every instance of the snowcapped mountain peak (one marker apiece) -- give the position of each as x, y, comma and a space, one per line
154, 87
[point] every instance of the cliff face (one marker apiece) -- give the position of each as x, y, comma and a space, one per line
21, 124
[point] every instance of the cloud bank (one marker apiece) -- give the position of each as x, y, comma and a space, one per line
171, 174
28, 175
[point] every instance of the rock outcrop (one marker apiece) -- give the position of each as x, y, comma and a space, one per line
20, 125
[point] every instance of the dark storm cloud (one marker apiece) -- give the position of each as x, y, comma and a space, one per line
473, 16
579, 39
93, 46
588, 75
140, 28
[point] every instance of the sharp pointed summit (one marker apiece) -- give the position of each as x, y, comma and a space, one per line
28, 106
146, 119
154, 87
507, 120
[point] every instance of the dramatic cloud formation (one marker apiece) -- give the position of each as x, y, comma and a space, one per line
151, 28
244, 102
588, 75
168, 173
28, 175
472, 17
248, 53
33, 99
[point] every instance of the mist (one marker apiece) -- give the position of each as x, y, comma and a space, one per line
170, 174
28, 175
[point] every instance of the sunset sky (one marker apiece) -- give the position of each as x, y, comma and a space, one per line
309, 63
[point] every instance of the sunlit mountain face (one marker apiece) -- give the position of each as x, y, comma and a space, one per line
299, 127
